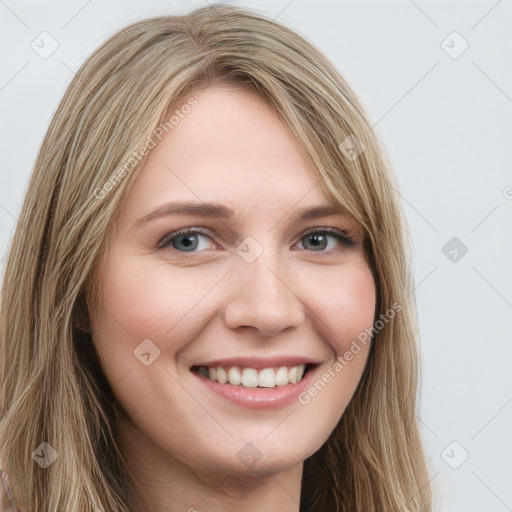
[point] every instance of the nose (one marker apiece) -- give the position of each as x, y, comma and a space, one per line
263, 298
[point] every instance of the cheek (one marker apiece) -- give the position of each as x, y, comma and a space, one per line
146, 299
137, 304
345, 306
344, 309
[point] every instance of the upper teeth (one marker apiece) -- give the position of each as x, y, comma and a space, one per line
252, 378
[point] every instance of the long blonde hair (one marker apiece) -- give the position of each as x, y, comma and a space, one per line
53, 389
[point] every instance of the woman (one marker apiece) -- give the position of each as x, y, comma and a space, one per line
269, 362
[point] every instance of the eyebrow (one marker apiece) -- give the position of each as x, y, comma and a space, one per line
224, 212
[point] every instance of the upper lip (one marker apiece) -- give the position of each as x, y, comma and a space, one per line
261, 362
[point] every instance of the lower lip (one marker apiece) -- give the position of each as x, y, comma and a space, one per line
260, 398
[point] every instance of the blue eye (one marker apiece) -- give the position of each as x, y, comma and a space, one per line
319, 239
185, 240
195, 240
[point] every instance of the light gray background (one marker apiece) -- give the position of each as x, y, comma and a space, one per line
447, 123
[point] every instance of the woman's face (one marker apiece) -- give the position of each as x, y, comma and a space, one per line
261, 292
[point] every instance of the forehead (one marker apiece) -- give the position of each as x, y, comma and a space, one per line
230, 147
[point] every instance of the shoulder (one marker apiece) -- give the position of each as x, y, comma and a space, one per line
7, 502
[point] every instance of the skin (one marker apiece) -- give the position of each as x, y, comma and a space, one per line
181, 440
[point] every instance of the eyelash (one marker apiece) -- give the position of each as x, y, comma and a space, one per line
342, 236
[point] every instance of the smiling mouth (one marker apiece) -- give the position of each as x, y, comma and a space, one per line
255, 378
